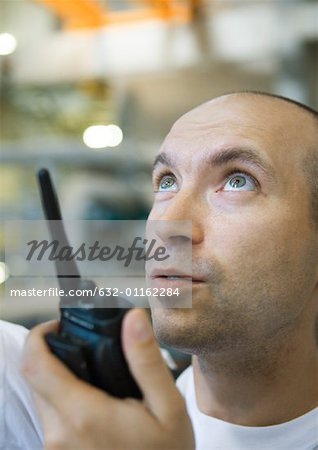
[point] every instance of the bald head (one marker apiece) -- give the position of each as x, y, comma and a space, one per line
302, 106
277, 103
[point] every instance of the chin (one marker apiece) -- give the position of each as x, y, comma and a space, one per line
190, 331
172, 328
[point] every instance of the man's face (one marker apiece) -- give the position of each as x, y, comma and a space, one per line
234, 167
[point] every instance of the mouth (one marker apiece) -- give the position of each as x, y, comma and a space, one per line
173, 275
165, 282
177, 278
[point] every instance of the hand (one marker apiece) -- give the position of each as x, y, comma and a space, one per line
76, 415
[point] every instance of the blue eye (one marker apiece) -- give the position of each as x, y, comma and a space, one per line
167, 183
240, 182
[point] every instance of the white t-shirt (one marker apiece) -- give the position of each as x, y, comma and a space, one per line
215, 434
19, 426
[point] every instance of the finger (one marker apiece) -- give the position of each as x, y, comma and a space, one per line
147, 366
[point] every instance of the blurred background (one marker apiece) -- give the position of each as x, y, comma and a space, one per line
89, 89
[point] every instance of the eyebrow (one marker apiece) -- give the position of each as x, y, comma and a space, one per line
223, 157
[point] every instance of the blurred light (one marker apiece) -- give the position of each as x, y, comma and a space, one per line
101, 136
4, 272
8, 43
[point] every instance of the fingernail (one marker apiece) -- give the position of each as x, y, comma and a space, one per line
142, 328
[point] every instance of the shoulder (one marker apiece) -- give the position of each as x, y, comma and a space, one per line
12, 338
19, 424
12, 335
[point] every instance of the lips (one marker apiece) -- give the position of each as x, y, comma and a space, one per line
174, 274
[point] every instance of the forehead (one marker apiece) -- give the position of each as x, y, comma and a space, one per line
278, 131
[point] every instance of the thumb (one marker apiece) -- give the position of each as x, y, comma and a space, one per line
147, 366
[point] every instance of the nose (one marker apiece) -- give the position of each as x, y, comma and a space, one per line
178, 220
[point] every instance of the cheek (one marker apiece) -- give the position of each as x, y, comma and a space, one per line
266, 275
258, 242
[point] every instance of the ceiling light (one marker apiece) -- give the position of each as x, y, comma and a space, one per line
8, 44
4, 272
102, 136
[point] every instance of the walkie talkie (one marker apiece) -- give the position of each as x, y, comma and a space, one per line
89, 336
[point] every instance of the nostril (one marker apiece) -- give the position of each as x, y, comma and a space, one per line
176, 231
180, 239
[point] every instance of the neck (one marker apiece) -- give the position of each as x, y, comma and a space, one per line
277, 383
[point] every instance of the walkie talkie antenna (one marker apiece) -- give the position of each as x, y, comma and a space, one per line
67, 272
